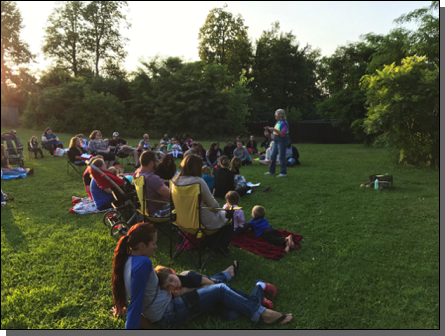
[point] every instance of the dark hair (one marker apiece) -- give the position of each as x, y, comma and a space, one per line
235, 164
199, 148
46, 131
228, 140
191, 165
147, 157
168, 162
224, 161
141, 232
232, 197
212, 150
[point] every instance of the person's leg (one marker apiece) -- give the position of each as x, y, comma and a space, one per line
273, 157
210, 296
231, 315
282, 150
106, 205
273, 237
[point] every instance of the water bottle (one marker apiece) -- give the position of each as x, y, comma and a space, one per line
376, 184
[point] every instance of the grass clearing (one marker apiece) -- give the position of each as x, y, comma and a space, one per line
368, 259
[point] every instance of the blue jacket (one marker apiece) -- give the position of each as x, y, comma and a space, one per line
259, 226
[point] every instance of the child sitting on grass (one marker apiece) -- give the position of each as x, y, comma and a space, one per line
261, 228
239, 222
208, 178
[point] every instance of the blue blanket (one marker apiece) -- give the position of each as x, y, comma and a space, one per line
12, 177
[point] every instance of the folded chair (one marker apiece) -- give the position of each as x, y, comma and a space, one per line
163, 224
78, 168
123, 158
14, 149
187, 201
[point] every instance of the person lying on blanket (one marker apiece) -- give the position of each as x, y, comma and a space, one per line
261, 228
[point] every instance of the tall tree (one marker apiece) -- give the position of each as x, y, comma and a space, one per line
63, 36
102, 32
13, 50
223, 40
284, 75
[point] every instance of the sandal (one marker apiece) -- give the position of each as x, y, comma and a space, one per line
236, 268
280, 320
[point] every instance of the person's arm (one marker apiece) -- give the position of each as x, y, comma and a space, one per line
246, 154
44, 139
208, 159
207, 196
139, 278
108, 190
164, 191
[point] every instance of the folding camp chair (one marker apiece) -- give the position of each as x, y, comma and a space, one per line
187, 200
163, 224
123, 158
77, 168
14, 149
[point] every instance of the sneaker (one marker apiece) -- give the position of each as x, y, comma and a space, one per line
282, 175
267, 303
268, 173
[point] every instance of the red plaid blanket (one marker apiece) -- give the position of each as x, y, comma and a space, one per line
248, 241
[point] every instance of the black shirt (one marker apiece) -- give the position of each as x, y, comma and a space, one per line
251, 145
191, 280
228, 151
114, 143
164, 173
73, 152
224, 181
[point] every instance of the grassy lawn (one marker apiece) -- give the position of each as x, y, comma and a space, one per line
368, 258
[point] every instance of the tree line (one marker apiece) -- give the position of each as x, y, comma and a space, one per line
235, 82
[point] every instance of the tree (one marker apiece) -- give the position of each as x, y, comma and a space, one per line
284, 75
64, 35
103, 39
223, 40
13, 50
404, 105
425, 41
340, 76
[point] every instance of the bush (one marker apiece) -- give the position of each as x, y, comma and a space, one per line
404, 105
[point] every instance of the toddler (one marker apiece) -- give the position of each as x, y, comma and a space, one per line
239, 222
261, 228
208, 178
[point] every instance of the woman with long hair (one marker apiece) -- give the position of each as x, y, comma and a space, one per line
213, 154
76, 151
166, 168
99, 146
33, 147
50, 141
134, 277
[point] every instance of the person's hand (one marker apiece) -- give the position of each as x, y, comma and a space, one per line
176, 293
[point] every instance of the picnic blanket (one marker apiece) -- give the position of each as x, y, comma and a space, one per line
248, 241
84, 206
14, 176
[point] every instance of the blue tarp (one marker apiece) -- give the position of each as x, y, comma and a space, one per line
12, 177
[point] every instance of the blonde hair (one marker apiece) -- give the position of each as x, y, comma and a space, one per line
162, 272
73, 141
259, 211
206, 170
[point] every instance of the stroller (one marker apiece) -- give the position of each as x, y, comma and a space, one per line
14, 149
125, 208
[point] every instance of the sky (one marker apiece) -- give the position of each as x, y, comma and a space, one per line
171, 28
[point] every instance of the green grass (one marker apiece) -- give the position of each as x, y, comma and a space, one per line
368, 259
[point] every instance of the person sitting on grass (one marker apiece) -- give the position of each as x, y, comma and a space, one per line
242, 153
133, 276
252, 146
160, 154
228, 149
50, 141
186, 142
235, 165
266, 160
266, 142
144, 144
166, 168
76, 151
176, 150
165, 141
7, 169
292, 155
224, 178
213, 154
261, 228
238, 138
194, 150
208, 178
33, 147
239, 222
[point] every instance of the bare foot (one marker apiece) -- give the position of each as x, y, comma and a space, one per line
292, 245
288, 245
269, 316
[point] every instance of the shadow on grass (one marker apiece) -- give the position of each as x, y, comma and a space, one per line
12, 232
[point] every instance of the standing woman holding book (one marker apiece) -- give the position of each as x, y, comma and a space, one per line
280, 139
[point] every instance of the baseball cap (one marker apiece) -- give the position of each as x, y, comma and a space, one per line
115, 134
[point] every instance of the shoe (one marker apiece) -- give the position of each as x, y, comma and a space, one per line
268, 173
267, 303
270, 289
282, 175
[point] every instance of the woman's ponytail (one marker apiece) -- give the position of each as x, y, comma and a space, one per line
117, 283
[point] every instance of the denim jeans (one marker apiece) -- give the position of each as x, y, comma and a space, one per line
210, 296
279, 148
